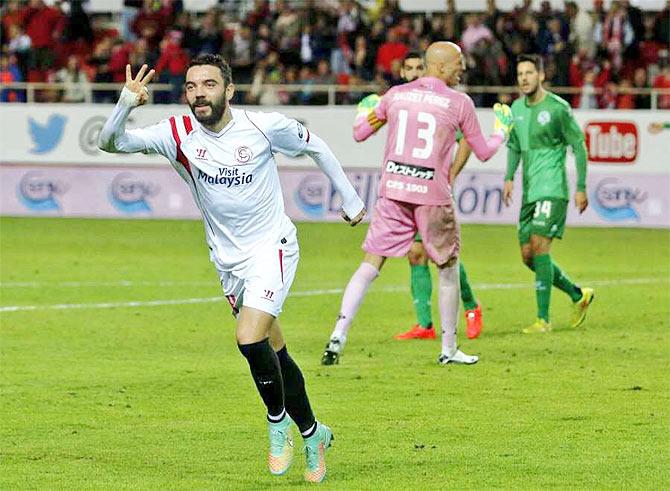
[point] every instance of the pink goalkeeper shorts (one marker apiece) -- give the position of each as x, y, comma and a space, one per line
395, 224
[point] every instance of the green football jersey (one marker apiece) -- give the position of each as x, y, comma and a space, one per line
540, 136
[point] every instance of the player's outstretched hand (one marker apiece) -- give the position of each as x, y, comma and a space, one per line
356, 220
138, 85
504, 119
508, 188
581, 201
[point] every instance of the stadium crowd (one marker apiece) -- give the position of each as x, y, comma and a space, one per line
603, 51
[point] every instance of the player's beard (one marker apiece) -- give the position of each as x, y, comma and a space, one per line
218, 108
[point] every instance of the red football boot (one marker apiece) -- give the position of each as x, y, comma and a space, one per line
473, 320
417, 332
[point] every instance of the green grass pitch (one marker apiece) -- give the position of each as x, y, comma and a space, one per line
135, 396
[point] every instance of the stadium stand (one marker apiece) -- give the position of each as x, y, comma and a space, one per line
283, 52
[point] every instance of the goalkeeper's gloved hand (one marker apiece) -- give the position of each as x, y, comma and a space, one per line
367, 105
504, 119
366, 110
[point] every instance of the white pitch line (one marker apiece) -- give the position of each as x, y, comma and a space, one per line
306, 293
109, 305
84, 284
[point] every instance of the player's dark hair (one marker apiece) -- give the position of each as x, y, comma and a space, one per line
217, 61
411, 55
534, 59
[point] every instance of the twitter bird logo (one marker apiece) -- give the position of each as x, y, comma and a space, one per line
46, 136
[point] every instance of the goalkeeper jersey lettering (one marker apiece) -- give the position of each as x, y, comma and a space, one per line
233, 176
423, 117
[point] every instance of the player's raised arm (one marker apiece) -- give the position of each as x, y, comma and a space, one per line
370, 117
291, 138
114, 137
574, 136
485, 148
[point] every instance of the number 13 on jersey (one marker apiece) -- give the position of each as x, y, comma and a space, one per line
426, 125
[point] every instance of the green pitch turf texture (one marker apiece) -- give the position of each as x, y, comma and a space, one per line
158, 396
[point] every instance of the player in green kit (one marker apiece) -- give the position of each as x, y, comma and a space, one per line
421, 281
543, 128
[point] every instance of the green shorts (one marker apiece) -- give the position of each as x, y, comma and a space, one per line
544, 217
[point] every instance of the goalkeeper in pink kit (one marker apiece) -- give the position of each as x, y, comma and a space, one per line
423, 117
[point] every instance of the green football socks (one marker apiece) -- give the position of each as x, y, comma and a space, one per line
467, 297
563, 283
544, 273
422, 290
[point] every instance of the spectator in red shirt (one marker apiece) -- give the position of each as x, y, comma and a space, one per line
391, 50
118, 61
172, 64
626, 100
583, 74
150, 23
259, 14
43, 25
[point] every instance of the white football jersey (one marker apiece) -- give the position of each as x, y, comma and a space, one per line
233, 176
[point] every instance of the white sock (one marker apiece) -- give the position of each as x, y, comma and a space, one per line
278, 418
449, 295
353, 297
309, 432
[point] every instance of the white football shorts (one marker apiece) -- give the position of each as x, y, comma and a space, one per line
265, 281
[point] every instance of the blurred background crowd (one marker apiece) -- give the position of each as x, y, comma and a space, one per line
602, 51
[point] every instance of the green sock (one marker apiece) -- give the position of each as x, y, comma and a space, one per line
467, 297
562, 282
422, 290
543, 278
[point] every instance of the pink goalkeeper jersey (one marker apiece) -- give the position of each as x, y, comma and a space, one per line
423, 117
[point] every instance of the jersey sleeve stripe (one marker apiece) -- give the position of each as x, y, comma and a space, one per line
175, 133
187, 124
181, 158
183, 161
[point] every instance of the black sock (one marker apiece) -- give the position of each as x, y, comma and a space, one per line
266, 373
297, 402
